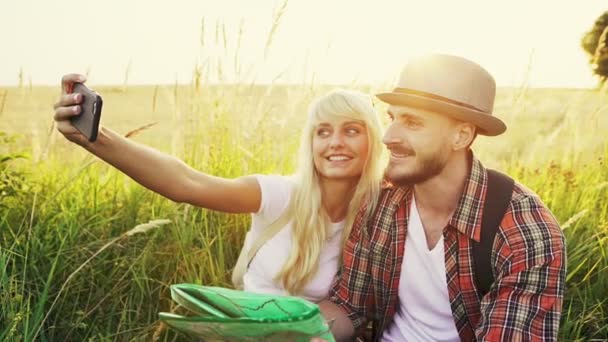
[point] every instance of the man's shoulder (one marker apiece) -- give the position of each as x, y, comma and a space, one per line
528, 221
525, 200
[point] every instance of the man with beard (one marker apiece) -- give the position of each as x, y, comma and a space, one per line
411, 266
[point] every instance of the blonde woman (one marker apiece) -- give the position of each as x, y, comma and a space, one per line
338, 171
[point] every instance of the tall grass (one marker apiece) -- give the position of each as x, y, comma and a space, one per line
56, 213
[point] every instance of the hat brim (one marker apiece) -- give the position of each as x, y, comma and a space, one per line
486, 123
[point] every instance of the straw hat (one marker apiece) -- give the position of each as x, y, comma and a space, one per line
449, 85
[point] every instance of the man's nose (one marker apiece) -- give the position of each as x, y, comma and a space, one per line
391, 135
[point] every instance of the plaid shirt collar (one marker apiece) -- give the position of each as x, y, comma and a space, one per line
467, 217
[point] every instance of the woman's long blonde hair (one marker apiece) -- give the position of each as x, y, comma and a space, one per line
311, 224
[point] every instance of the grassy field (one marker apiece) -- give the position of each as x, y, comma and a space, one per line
69, 272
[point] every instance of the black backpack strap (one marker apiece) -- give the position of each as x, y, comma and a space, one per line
498, 196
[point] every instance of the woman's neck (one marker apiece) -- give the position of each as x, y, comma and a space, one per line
336, 195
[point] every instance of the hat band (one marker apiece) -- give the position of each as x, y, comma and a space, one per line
435, 97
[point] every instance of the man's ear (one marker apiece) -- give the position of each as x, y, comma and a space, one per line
464, 135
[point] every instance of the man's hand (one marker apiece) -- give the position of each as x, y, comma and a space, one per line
342, 328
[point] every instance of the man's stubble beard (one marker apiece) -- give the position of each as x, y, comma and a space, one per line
427, 169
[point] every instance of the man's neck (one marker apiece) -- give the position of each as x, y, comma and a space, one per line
439, 196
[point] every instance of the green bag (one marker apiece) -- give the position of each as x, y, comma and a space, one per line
222, 314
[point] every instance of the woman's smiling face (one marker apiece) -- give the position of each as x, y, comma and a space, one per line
340, 148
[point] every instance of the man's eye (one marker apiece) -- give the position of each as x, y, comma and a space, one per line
411, 123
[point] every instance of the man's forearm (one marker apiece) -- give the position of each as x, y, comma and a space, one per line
342, 328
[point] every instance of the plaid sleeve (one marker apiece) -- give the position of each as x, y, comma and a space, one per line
525, 302
351, 290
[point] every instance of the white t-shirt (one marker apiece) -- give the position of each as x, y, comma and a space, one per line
424, 312
270, 258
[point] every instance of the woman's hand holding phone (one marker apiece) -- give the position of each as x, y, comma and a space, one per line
69, 116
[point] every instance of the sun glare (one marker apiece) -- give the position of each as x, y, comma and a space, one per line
532, 42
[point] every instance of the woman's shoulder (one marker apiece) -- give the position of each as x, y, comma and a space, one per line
272, 184
275, 179
276, 192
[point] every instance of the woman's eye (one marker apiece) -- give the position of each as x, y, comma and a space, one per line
352, 131
323, 132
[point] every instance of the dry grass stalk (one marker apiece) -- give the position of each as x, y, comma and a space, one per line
138, 130
275, 25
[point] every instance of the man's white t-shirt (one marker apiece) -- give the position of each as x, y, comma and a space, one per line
270, 258
424, 312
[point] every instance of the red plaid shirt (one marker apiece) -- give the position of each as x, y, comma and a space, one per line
528, 256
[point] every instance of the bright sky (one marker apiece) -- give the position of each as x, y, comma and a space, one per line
334, 41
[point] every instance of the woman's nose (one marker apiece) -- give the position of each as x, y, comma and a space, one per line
337, 140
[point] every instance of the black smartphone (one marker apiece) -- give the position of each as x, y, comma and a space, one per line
87, 122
